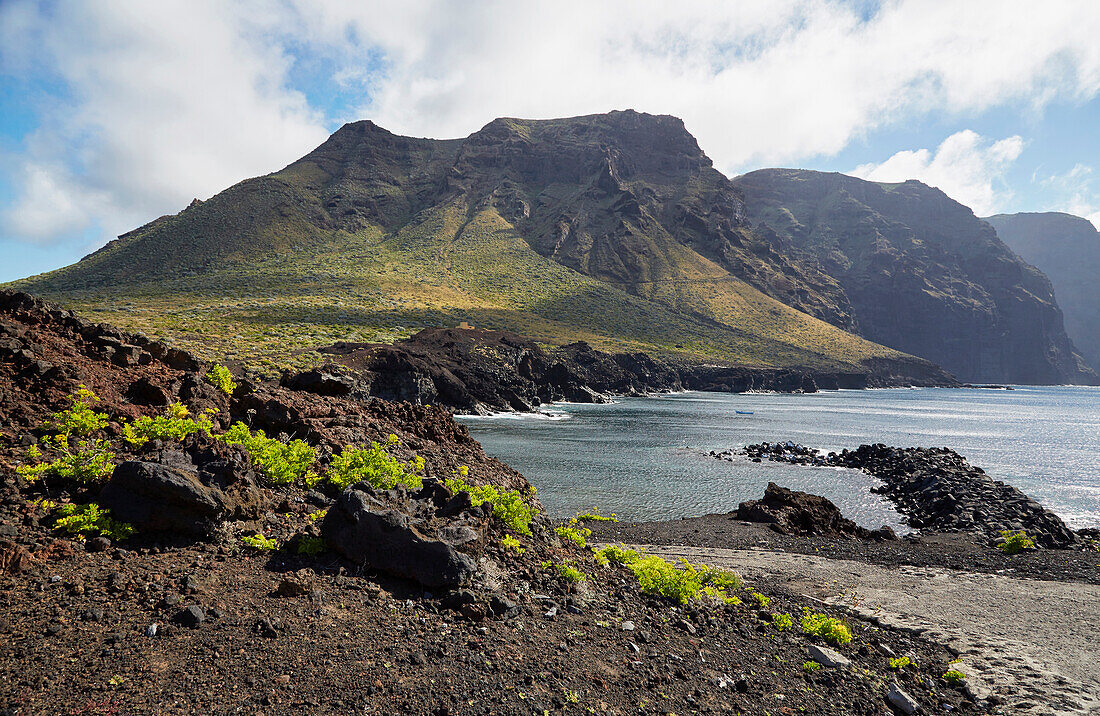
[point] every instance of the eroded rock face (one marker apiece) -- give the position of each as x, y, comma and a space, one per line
189, 491
799, 513
922, 273
374, 534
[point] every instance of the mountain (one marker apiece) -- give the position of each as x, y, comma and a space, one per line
922, 273
613, 229
1067, 249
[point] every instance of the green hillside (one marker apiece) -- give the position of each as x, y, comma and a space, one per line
373, 236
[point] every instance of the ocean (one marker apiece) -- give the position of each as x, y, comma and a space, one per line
646, 458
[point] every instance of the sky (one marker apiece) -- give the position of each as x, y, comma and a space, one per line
115, 112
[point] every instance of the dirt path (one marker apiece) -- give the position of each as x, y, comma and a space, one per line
1033, 645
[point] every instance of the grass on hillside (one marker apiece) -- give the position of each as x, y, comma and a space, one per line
441, 269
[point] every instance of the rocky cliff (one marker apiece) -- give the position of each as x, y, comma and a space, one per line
1067, 249
922, 273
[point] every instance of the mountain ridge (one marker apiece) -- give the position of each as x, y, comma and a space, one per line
615, 229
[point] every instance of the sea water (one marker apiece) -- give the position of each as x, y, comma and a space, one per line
646, 458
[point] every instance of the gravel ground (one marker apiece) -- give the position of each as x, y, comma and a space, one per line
1030, 644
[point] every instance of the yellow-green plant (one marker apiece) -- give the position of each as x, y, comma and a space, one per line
310, 546
91, 520
318, 515
593, 516
566, 571
175, 425
78, 419
508, 505
576, 535
508, 542
811, 666
782, 621
761, 600
281, 463
90, 461
1013, 542
375, 466
900, 663
954, 677
679, 583
220, 377
261, 543
831, 630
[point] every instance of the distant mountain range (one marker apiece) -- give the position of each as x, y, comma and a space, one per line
1067, 249
614, 229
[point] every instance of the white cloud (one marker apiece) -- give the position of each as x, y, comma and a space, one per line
176, 99
758, 81
1072, 192
965, 166
165, 102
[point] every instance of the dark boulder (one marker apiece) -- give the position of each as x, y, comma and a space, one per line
800, 513
371, 534
189, 491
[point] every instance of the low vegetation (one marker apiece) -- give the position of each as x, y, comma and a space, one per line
175, 425
508, 505
825, 627
220, 377
260, 543
91, 520
679, 583
280, 463
375, 466
1014, 542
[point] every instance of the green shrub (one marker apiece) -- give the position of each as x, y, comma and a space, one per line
318, 515
78, 419
679, 583
593, 516
281, 463
508, 542
811, 666
310, 546
567, 572
954, 677
761, 600
782, 621
1014, 542
373, 465
261, 543
616, 553
220, 377
173, 426
900, 663
92, 461
575, 535
91, 520
508, 505
831, 630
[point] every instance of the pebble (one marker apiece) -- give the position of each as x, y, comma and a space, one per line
551, 612
193, 616
151, 630
627, 626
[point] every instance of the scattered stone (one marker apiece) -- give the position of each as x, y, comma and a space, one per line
901, 700
627, 626
14, 558
152, 629
98, 544
191, 617
295, 585
827, 657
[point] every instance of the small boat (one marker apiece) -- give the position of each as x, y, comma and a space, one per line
743, 412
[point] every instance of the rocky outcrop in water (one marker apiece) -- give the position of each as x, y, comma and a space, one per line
935, 488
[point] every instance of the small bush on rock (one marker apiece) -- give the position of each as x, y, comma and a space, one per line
567, 572
901, 662
78, 419
261, 543
220, 377
92, 461
1014, 542
508, 542
373, 465
91, 520
173, 426
678, 583
831, 630
281, 463
782, 621
954, 677
811, 666
577, 536
508, 505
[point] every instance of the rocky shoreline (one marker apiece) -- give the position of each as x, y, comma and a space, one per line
479, 371
175, 541
936, 489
